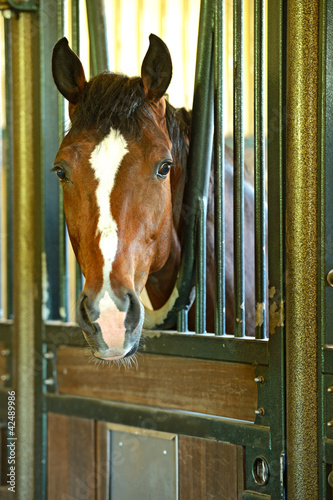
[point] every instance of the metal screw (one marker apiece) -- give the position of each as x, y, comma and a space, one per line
5, 352
5, 377
330, 424
330, 479
329, 277
259, 380
120, 444
165, 452
49, 381
260, 412
49, 355
330, 389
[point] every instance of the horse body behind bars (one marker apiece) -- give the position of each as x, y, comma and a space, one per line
123, 168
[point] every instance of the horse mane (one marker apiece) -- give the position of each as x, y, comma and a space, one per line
113, 100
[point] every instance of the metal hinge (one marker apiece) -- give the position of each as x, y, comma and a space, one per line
18, 5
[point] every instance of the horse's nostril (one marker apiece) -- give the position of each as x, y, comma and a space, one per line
83, 316
133, 315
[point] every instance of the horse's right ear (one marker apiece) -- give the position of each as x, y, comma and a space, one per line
67, 70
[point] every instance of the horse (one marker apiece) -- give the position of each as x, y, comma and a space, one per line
123, 167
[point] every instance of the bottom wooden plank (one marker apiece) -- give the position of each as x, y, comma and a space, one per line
209, 470
71, 458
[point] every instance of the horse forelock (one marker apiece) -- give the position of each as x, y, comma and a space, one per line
116, 101
112, 101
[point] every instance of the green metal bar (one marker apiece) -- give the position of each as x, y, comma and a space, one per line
76, 26
185, 423
302, 249
9, 166
182, 321
239, 287
325, 229
206, 346
259, 168
219, 225
201, 264
276, 40
27, 252
63, 288
99, 60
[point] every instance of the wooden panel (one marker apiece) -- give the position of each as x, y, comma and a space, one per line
71, 458
209, 470
211, 387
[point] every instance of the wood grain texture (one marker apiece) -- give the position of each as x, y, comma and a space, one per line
210, 387
209, 470
71, 458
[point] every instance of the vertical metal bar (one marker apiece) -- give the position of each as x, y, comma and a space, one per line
200, 302
219, 171
238, 21
276, 144
27, 257
99, 60
259, 168
77, 282
9, 166
302, 249
63, 312
76, 26
182, 321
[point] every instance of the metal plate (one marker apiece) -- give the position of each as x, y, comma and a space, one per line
143, 464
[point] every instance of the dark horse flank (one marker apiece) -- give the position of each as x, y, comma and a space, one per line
123, 167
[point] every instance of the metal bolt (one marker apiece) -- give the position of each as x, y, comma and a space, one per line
5, 352
330, 424
165, 452
49, 355
49, 381
259, 380
260, 412
330, 479
5, 377
120, 444
329, 277
330, 389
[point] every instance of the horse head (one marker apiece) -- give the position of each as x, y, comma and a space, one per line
115, 167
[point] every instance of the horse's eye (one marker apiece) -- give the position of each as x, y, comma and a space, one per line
163, 170
61, 174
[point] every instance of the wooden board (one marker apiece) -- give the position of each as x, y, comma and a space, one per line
210, 387
209, 470
71, 458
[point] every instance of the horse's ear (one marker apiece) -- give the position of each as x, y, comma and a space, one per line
67, 70
156, 69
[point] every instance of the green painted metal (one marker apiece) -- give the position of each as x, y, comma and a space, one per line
276, 36
259, 166
220, 323
239, 284
8, 159
185, 423
325, 227
97, 36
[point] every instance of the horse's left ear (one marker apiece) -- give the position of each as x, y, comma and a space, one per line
156, 69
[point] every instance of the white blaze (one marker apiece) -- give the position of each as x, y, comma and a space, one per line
105, 161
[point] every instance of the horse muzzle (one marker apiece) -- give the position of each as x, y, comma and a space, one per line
111, 325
